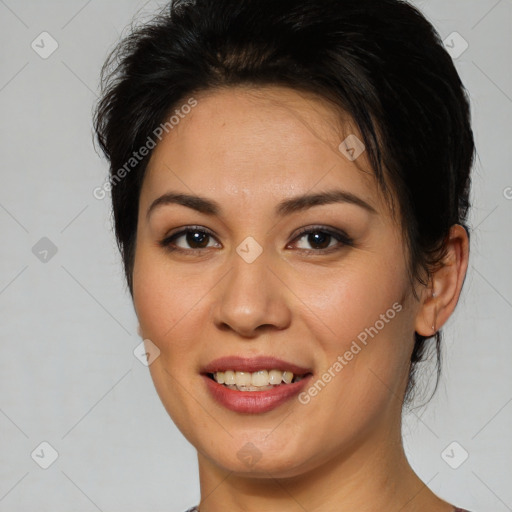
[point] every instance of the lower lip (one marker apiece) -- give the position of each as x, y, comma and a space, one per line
254, 402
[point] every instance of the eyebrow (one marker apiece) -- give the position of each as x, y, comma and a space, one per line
286, 207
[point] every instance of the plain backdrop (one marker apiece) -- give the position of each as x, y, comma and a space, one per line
68, 375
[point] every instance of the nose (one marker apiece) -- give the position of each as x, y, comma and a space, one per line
252, 298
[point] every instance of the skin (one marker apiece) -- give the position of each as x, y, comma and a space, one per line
249, 149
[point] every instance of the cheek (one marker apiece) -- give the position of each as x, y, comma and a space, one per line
350, 300
164, 300
365, 330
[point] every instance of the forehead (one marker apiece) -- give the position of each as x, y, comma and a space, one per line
273, 140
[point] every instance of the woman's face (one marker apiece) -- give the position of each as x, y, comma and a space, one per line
246, 282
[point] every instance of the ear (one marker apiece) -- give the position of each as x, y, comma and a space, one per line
439, 300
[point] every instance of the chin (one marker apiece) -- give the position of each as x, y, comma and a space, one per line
281, 458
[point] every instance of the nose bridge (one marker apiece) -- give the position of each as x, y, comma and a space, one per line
251, 295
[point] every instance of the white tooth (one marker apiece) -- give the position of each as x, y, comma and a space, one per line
229, 377
256, 381
259, 378
275, 377
287, 377
243, 379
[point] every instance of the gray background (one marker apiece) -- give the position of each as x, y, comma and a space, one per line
68, 375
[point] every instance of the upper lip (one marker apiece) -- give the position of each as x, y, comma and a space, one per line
253, 364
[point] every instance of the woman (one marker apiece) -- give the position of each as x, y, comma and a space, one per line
290, 184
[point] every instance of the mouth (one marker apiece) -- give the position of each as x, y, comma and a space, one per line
254, 385
255, 373
260, 380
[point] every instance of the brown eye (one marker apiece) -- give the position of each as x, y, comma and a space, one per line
189, 239
321, 239
197, 239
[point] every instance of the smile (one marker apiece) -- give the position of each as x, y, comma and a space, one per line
254, 385
256, 381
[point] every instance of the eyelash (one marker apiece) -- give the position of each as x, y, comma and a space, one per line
340, 236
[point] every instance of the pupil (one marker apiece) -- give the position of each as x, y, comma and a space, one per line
321, 239
197, 239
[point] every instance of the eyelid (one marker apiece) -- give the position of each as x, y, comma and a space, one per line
188, 227
183, 230
336, 233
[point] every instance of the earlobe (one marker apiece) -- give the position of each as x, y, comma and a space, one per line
434, 295
426, 319
441, 297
